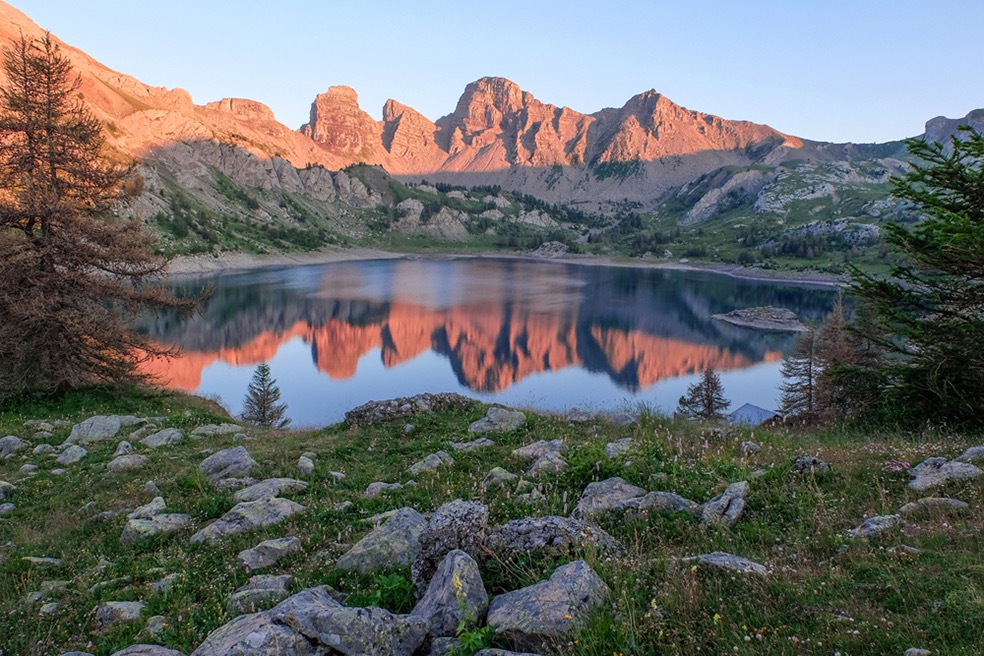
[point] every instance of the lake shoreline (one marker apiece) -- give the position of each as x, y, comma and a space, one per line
196, 265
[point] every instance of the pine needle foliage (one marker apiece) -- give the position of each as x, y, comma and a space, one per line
705, 398
261, 405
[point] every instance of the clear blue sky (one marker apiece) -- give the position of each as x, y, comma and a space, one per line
834, 70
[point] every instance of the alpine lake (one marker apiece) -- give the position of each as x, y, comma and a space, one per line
544, 335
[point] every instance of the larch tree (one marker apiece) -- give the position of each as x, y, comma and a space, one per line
705, 398
261, 405
73, 276
799, 373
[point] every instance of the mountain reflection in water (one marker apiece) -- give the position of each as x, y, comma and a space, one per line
497, 323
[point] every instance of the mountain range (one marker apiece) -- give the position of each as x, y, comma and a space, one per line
227, 175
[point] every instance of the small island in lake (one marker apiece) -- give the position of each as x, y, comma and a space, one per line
764, 318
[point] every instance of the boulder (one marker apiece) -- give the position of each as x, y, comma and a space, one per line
498, 476
455, 598
749, 448
933, 504
729, 562
249, 515
6, 490
126, 463
546, 456
464, 447
305, 466
726, 508
271, 487
6, 509
259, 592
268, 552
43, 449
973, 454
166, 437
395, 543
349, 631
809, 465
140, 529
555, 535
100, 427
71, 455
113, 612
937, 471
155, 507
123, 448
618, 447
216, 429
498, 420
667, 503
550, 612
227, 463
431, 463
375, 488
147, 650
609, 494
10, 445
259, 634
874, 525
458, 524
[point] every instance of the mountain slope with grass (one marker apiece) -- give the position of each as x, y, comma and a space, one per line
848, 547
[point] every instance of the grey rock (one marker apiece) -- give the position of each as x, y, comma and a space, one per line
227, 463
503, 652
6, 509
71, 455
809, 465
549, 612
310, 454
140, 529
729, 562
618, 447
916, 651
552, 463
216, 429
100, 427
155, 507
555, 535
973, 454
455, 598
498, 476
234, 483
546, 456
271, 487
409, 428
10, 445
431, 463
749, 448
444, 647
268, 552
28, 469
342, 506
241, 437
123, 448
377, 411
126, 463
726, 508
376, 488
113, 612
933, 504
6, 490
59, 471
249, 515
937, 471
148, 650
498, 420
395, 543
48, 608
77, 653
259, 634
150, 487
350, 631
464, 447
155, 625
609, 494
165, 584
456, 525
166, 437
43, 449
262, 591
667, 503
305, 466
42, 561
337, 475
874, 525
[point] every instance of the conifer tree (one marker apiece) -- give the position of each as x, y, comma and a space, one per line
799, 372
704, 399
261, 405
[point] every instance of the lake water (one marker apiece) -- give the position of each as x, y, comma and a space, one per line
545, 335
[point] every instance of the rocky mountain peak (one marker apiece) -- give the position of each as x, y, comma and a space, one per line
249, 110
340, 125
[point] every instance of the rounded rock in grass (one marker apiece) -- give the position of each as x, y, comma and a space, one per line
227, 463
148, 650
455, 599
458, 524
305, 466
395, 543
10, 445
268, 552
249, 515
71, 455
498, 420
114, 612
126, 463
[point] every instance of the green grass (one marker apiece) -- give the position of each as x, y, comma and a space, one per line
825, 593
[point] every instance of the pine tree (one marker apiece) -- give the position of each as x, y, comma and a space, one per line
930, 310
73, 277
799, 372
704, 399
260, 406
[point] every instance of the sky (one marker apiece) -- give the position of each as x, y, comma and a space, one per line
832, 70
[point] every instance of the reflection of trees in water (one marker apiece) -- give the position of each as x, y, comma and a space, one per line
504, 314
